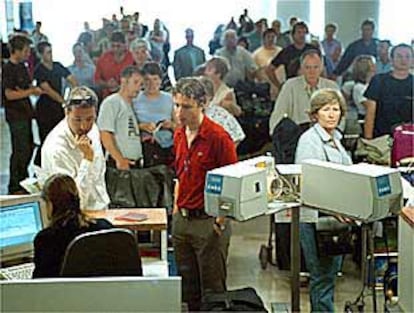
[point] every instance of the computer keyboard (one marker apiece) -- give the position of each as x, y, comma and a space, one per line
17, 272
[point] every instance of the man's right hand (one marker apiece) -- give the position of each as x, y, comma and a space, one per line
85, 145
124, 164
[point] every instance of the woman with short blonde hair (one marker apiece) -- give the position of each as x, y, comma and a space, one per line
325, 96
322, 142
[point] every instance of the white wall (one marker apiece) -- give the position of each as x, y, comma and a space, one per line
349, 16
63, 20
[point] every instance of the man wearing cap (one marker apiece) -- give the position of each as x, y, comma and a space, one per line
188, 57
73, 147
110, 64
200, 241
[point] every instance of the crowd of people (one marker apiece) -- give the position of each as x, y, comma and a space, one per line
122, 107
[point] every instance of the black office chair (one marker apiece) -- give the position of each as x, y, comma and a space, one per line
109, 252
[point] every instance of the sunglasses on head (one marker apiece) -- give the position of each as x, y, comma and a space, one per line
84, 101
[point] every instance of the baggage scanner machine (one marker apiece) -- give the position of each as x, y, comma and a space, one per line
362, 191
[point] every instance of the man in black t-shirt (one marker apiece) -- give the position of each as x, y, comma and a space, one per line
390, 95
49, 75
17, 87
289, 57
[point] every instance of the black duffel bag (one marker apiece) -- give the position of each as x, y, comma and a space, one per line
333, 237
119, 187
242, 300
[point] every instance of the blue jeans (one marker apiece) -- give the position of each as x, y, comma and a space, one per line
322, 271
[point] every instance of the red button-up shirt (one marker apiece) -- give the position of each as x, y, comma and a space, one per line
211, 148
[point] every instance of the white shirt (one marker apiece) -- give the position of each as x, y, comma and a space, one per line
294, 100
227, 121
358, 97
60, 155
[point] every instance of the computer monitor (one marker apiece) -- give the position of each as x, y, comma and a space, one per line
92, 294
22, 217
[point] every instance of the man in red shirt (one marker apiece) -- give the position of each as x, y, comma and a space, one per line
200, 241
110, 65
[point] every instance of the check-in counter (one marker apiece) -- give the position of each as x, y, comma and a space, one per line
406, 260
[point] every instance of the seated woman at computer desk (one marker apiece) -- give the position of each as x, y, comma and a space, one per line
322, 142
66, 222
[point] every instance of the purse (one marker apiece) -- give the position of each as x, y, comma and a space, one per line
333, 237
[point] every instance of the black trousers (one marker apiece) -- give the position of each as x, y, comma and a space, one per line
22, 150
201, 256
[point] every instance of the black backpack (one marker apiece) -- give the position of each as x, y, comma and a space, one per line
285, 138
242, 300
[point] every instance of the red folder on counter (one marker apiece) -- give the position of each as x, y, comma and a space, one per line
132, 217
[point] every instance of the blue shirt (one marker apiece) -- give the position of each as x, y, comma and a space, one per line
155, 111
317, 144
383, 67
84, 75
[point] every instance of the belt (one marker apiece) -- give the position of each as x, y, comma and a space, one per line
110, 162
193, 213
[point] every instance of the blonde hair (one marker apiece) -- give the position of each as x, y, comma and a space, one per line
326, 96
362, 66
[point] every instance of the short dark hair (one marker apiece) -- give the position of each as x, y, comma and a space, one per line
331, 25
118, 37
401, 45
245, 40
191, 88
18, 43
268, 31
387, 41
130, 70
42, 46
299, 25
152, 68
368, 22
310, 52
